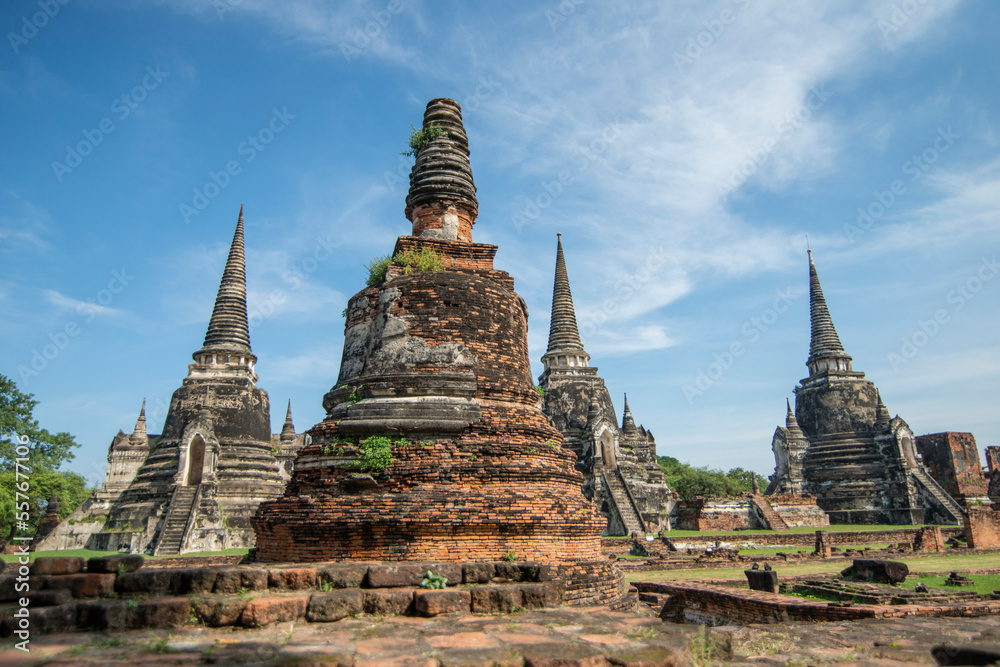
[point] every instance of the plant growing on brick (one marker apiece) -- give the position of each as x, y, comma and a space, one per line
376, 453
420, 138
422, 259
376, 270
510, 556
432, 580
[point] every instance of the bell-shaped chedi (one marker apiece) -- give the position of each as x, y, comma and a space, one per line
434, 446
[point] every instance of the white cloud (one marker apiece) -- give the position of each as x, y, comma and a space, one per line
77, 306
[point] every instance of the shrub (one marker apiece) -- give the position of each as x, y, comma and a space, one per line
420, 138
377, 453
422, 259
376, 270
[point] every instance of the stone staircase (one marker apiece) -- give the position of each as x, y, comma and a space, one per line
623, 502
944, 500
840, 449
764, 509
176, 522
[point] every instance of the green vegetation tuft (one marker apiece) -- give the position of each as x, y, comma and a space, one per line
421, 259
377, 453
433, 581
377, 269
420, 138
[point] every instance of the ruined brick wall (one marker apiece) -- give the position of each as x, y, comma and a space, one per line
982, 528
714, 514
992, 458
953, 460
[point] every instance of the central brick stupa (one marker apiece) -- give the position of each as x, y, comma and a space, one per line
435, 374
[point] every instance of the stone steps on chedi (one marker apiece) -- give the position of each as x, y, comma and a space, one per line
435, 374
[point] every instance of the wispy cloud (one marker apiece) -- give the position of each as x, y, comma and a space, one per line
69, 303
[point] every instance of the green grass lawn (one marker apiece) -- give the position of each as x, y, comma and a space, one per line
87, 553
957, 562
984, 583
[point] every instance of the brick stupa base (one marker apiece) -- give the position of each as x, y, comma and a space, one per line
435, 367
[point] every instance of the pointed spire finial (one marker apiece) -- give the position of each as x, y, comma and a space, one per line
288, 429
791, 423
882, 417
628, 424
441, 202
565, 348
825, 349
228, 330
138, 437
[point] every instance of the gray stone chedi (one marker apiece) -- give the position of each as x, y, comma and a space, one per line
195, 487
841, 445
621, 473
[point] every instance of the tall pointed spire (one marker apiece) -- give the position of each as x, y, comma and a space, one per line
825, 349
791, 423
288, 429
565, 348
628, 424
138, 436
882, 417
441, 202
228, 331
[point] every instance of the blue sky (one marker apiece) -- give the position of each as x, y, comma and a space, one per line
686, 151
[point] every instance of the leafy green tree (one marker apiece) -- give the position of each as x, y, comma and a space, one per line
46, 452
689, 481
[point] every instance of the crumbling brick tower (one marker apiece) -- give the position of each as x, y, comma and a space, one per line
435, 372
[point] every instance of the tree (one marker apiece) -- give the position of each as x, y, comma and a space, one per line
689, 481
37, 454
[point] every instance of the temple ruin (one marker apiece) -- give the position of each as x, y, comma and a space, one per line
434, 446
195, 487
841, 446
621, 474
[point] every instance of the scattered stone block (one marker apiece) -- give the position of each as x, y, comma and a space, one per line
163, 612
106, 615
57, 565
231, 580
199, 580
115, 564
267, 610
343, 575
293, 579
397, 576
946, 654
493, 599
539, 595
880, 571
81, 585
434, 603
387, 601
47, 620
333, 606
149, 582
219, 612
478, 573
762, 580
51, 597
